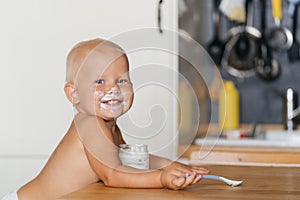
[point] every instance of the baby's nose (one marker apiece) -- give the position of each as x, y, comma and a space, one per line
114, 90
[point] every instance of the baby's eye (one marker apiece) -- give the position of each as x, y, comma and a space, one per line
100, 81
121, 81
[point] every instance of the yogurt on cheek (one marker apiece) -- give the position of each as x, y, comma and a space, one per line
98, 95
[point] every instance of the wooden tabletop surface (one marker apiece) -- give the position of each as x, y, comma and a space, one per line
259, 183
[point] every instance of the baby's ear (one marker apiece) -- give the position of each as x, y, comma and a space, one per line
71, 93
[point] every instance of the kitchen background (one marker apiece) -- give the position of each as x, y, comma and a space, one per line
260, 98
27, 139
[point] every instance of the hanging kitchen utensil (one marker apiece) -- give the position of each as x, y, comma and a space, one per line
280, 38
241, 48
267, 67
216, 47
159, 16
294, 52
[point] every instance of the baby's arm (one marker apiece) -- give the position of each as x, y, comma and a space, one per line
156, 162
123, 176
101, 148
173, 176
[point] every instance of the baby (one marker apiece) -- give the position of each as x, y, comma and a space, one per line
99, 87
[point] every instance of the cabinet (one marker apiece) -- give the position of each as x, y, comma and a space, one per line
242, 155
35, 39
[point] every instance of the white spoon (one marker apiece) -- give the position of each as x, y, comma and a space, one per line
228, 181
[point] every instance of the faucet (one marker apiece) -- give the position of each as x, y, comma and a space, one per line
291, 111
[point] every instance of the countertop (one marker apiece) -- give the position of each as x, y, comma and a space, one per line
260, 182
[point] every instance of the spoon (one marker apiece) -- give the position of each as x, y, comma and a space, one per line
225, 180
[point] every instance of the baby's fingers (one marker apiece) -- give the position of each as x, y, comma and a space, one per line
189, 180
200, 170
178, 182
197, 179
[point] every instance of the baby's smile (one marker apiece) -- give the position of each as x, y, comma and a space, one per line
111, 101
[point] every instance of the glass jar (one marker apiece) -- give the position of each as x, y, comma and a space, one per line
134, 155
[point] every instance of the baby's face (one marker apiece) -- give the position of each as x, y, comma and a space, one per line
105, 91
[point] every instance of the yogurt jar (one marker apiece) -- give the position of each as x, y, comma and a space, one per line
134, 155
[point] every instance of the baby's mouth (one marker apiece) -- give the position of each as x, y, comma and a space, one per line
111, 103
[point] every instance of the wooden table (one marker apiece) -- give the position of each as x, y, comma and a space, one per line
259, 183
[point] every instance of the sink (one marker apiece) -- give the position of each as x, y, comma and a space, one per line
272, 138
281, 135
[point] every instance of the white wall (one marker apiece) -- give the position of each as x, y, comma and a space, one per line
35, 38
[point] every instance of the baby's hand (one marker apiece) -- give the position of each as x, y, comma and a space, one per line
179, 176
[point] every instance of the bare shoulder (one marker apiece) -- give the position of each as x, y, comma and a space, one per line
67, 169
69, 153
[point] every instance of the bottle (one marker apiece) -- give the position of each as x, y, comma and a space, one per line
229, 112
185, 108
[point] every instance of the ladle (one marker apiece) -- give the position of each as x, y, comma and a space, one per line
267, 67
294, 53
280, 38
216, 47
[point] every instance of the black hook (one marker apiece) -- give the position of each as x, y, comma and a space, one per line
159, 16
